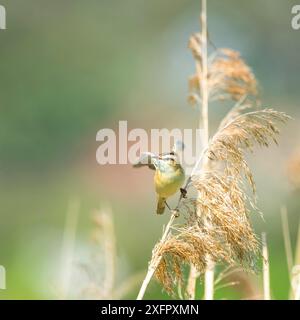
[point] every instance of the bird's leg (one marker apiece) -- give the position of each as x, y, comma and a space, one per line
175, 212
183, 192
168, 206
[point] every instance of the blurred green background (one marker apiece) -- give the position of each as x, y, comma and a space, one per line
70, 68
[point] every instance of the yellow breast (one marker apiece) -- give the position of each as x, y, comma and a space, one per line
168, 183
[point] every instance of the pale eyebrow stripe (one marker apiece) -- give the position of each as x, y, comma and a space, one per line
168, 157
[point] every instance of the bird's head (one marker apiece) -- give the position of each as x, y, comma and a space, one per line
168, 161
162, 162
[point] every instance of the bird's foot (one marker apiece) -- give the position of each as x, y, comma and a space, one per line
183, 192
176, 213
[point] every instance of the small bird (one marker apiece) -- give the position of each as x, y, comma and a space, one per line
169, 174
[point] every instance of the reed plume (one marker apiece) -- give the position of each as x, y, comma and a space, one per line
222, 230
99, 277
229, 77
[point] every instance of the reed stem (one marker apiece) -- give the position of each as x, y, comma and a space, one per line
155, 260
68, 247
266, 268
209, 273
296, 290
287, 238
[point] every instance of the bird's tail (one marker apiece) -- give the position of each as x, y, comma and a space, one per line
161, 205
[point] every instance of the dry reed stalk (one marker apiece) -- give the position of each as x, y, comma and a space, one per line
209, 280
209, 272
266, 268
294, 177
297, 291
68, 247
104, 286
293, 267
191, 284
297, 252
287, 239
156, 259
104, 221
296, 269
202, 78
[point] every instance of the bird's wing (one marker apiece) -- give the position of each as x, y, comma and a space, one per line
146, 159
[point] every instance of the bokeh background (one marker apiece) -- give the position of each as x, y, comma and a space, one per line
70, 68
